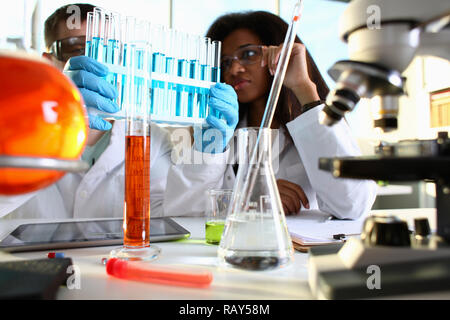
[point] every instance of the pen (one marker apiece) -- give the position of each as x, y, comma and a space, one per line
341, 236
132, 270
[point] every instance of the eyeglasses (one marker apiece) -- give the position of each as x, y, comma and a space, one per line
247, 55
67, 48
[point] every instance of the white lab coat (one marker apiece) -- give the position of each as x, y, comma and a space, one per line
298, 163
98, 193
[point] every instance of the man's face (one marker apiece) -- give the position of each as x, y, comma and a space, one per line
67, 43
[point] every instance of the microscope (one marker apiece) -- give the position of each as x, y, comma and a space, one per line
383, 37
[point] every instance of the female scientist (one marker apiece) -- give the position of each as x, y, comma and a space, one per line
250, 48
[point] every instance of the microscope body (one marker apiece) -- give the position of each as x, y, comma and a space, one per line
383, 37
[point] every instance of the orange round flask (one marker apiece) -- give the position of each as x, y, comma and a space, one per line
41, 117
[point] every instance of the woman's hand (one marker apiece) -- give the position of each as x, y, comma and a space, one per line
297, 78
292, 196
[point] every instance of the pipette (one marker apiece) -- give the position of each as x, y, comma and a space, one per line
273, 97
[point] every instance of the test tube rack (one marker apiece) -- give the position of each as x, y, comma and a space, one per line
177, 78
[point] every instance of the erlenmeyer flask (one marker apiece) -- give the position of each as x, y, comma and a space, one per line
255, 235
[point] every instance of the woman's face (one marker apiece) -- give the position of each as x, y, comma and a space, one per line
251, 82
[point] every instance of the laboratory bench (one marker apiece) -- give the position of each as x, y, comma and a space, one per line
288, 283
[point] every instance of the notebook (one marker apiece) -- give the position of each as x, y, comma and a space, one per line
315, 228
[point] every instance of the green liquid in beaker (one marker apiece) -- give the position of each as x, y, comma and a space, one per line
213, 231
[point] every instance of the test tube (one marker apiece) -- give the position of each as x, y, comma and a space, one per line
215, 57
205, 75
89, 22
112, 39
98, 36
215, 70
112, 52
194, 73
183, 72
171, 70
158, 66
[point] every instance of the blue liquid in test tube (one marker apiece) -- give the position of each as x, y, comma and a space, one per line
215, 70
89, 26
97, 48
204, 92
194, 73
205, 75
215, 74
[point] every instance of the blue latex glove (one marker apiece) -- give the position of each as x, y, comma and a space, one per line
89, 76
214, 137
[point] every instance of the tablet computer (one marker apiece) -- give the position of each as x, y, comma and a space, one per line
77, 234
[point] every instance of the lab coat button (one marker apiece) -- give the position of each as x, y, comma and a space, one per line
83, 194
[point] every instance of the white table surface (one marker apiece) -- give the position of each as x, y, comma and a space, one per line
286, 283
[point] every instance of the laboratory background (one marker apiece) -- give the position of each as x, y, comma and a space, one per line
419, 138
427, 75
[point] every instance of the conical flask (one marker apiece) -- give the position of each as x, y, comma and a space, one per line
255, 236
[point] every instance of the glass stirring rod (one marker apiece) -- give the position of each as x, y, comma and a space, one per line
273, 96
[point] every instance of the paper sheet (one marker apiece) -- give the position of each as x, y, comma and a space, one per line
313, 227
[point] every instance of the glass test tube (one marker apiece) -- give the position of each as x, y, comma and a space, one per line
112, 55
215, 62
98, 33
205, 75
194, 73
215, 58
171, 69
158, 66
89, 22
183, 72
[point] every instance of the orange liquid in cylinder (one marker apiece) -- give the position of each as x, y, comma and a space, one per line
137, 191
41, 115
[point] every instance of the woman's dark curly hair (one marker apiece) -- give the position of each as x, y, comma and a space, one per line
271, 30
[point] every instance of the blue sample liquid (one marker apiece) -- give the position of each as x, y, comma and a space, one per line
205, 72
215, 74
194, 73
88, 49
97, 49
158, 66
182, 90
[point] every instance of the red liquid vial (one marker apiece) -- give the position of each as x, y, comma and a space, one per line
137, 191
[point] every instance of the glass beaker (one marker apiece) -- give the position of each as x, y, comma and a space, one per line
255, 235
216, 214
